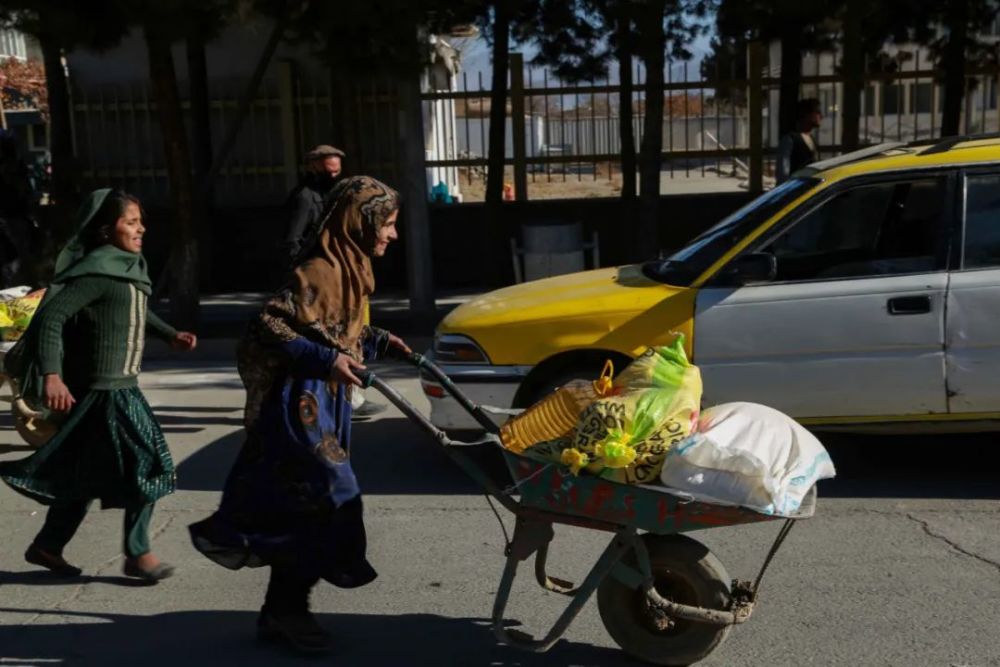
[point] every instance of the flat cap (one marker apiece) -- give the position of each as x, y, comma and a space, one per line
324, 151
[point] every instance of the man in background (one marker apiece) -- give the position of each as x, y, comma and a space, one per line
323, 167
798, 147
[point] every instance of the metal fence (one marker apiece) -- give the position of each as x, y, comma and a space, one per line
563, 141
117, 137
720, 132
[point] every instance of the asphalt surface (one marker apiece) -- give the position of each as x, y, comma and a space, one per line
900, 566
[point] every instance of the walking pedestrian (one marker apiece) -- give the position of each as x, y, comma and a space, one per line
324, 165
797, 148
292, 501
80, 358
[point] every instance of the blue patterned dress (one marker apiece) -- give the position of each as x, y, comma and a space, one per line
291, 499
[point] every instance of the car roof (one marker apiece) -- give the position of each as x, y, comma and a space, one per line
971, 150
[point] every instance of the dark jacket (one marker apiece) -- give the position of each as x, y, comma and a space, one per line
305, 204
793, 154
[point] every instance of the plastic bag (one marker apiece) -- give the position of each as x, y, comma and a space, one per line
16, 314
625, 435
750, 455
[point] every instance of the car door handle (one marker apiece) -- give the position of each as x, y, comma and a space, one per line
910, 305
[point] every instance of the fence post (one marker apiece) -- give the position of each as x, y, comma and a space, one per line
755, 103
289, 128
517, 125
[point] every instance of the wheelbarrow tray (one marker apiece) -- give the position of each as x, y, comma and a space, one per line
553, 489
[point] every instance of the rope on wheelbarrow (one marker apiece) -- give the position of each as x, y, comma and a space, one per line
508, 491
782, 534
503, 527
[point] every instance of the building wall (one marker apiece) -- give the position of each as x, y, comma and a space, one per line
903, 110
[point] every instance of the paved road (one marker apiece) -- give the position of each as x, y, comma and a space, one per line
900, 567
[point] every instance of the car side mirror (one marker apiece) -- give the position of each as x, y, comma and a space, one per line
755, 267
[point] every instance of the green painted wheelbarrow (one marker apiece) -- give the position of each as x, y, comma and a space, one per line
663, 596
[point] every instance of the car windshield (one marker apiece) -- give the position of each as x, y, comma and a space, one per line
685, 265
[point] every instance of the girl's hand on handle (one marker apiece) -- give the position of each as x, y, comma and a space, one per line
343, 369
57, 395
185, 341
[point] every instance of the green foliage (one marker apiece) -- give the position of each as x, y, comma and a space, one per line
579, 39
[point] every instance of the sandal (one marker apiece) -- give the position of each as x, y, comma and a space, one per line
152, 575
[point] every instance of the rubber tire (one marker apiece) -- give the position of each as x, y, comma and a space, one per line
684, 571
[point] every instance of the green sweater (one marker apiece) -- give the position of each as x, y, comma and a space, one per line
97, 324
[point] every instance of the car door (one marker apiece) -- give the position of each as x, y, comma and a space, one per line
852, 325
973, 319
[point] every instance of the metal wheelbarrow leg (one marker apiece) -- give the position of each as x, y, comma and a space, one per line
532, 537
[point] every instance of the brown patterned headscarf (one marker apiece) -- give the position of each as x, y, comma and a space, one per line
327, 298
332, 287
328, 293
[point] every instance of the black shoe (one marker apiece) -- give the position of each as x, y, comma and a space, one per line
369, 409
55, 563
298, 630
152, 575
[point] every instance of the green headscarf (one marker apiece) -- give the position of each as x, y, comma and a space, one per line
74, 261
106, 260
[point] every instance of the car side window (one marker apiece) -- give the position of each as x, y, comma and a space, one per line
981, 248
877, 229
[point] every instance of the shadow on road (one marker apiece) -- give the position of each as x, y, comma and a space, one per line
227, 638
908, 466
46, 578
393, 456
390, 456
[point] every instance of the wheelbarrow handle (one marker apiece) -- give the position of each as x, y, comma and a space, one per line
367, 378
471, 467
477, 412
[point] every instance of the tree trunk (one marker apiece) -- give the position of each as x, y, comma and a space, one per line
201, 135
413, 186
201, 125
496, 238
791, 77
853, 72
183, 270
65, 175
625, 129
498, 103
652, 46
249, 93
953, 64
343, 118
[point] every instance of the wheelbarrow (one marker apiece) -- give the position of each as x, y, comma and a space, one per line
663, 596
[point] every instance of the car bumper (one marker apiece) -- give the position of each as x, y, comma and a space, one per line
483, 384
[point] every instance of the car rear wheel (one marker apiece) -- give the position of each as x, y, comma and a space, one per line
588, 369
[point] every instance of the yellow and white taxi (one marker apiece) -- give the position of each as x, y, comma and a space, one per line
861, 294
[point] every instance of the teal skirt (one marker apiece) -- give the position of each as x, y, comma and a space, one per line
110, 448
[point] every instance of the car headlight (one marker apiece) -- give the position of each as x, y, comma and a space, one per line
453, 349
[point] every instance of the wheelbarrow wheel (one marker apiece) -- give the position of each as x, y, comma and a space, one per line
684, 571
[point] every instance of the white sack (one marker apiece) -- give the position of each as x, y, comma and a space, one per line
750, 455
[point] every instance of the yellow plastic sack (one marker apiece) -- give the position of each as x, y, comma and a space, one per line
16, 314
556, 415
625, 435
